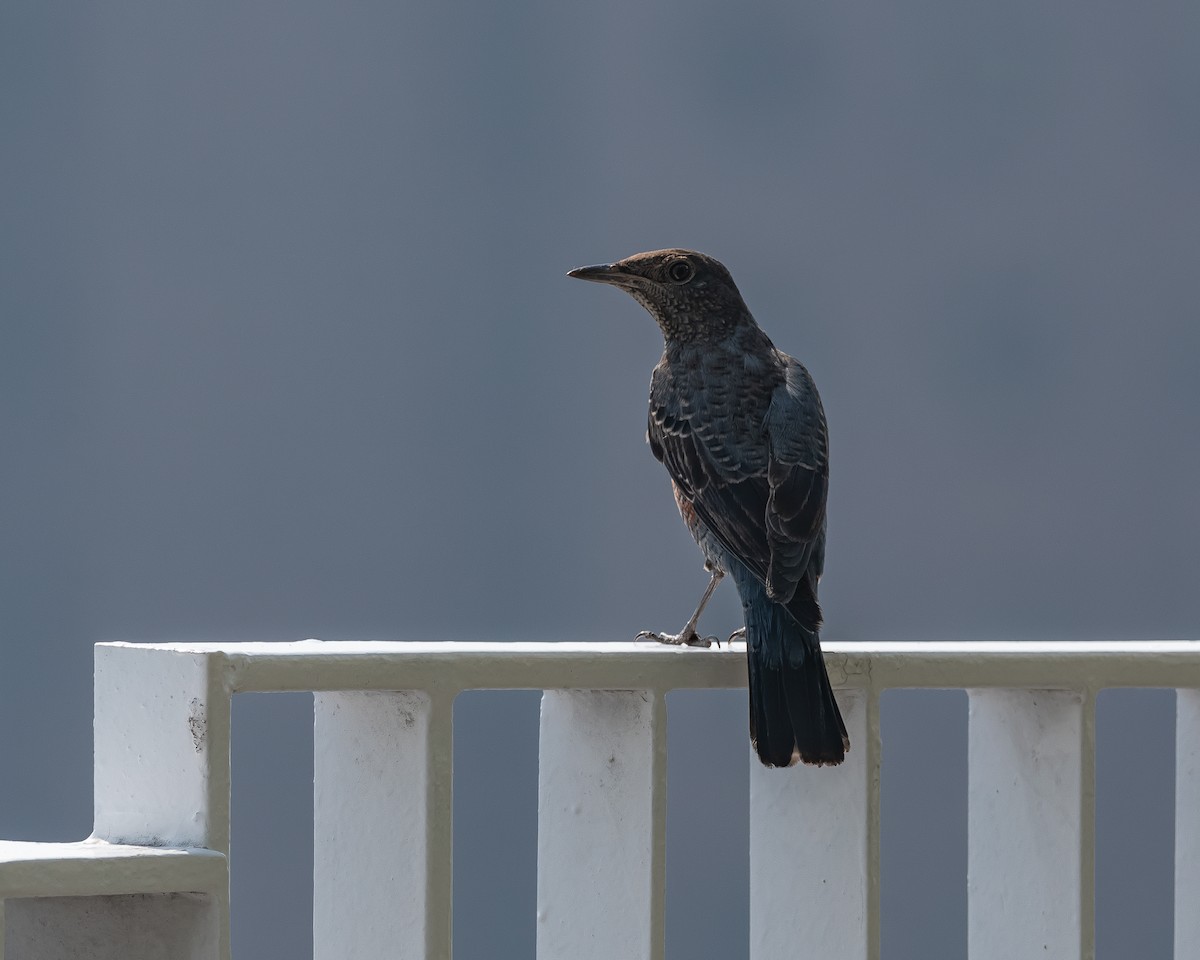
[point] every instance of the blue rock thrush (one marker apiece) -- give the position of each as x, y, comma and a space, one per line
739, 426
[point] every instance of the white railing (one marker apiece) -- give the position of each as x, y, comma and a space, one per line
155, 868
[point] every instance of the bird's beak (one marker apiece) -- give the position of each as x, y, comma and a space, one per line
601, 273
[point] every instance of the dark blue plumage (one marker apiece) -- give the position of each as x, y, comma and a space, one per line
740, 429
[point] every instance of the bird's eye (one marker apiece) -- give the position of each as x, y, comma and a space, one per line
680, 271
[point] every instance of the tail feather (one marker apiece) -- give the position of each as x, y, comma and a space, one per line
770, 722
817, 722
793, 713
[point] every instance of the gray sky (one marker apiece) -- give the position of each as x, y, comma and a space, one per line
288, 351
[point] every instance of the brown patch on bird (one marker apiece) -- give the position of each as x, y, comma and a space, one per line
686, 510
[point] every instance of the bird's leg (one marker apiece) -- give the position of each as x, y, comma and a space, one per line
688, 636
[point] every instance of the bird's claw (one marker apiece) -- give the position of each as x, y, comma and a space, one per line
739, 635
678, 639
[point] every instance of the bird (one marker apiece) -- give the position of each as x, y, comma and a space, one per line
740, 428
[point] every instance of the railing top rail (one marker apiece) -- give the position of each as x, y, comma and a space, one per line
467, 665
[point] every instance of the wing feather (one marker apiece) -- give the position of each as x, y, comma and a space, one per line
762, 496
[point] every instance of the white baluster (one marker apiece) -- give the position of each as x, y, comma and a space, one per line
814, 854
382, 825
1030, 824
601, 825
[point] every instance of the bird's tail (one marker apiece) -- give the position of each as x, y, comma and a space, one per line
793, 714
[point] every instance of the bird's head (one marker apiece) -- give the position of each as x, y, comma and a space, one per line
689, 294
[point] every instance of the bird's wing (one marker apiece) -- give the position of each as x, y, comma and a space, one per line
711, 461
798, 477
762, 496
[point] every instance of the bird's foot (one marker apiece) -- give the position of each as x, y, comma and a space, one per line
691, 639
738, 635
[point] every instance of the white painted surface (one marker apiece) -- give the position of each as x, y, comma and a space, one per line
162, 778
1187, 825
95, 868
382, 807
161, 765
810, 851
171, 926
316, 665
601, 829
1025, 822
161, 747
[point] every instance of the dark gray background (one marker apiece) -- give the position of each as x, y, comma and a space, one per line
287, 351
